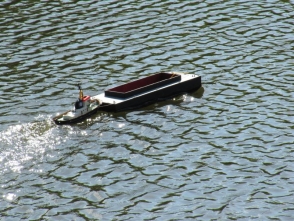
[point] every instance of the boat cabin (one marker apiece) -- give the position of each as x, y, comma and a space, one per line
80, 103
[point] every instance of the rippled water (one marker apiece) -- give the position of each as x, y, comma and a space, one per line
224, 152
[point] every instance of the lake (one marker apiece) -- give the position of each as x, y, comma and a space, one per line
224, 152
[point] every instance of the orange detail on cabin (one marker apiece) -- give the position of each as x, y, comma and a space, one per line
85, 98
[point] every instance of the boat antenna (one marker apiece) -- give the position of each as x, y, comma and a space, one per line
81, 94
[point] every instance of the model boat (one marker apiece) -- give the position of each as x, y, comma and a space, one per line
83, 107
131, 95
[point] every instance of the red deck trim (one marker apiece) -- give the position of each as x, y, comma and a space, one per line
141, 83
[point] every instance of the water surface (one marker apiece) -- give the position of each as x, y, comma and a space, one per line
224, 152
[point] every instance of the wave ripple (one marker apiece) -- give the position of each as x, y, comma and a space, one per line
221, 153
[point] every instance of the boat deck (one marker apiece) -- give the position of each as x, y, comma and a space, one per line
116, 100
